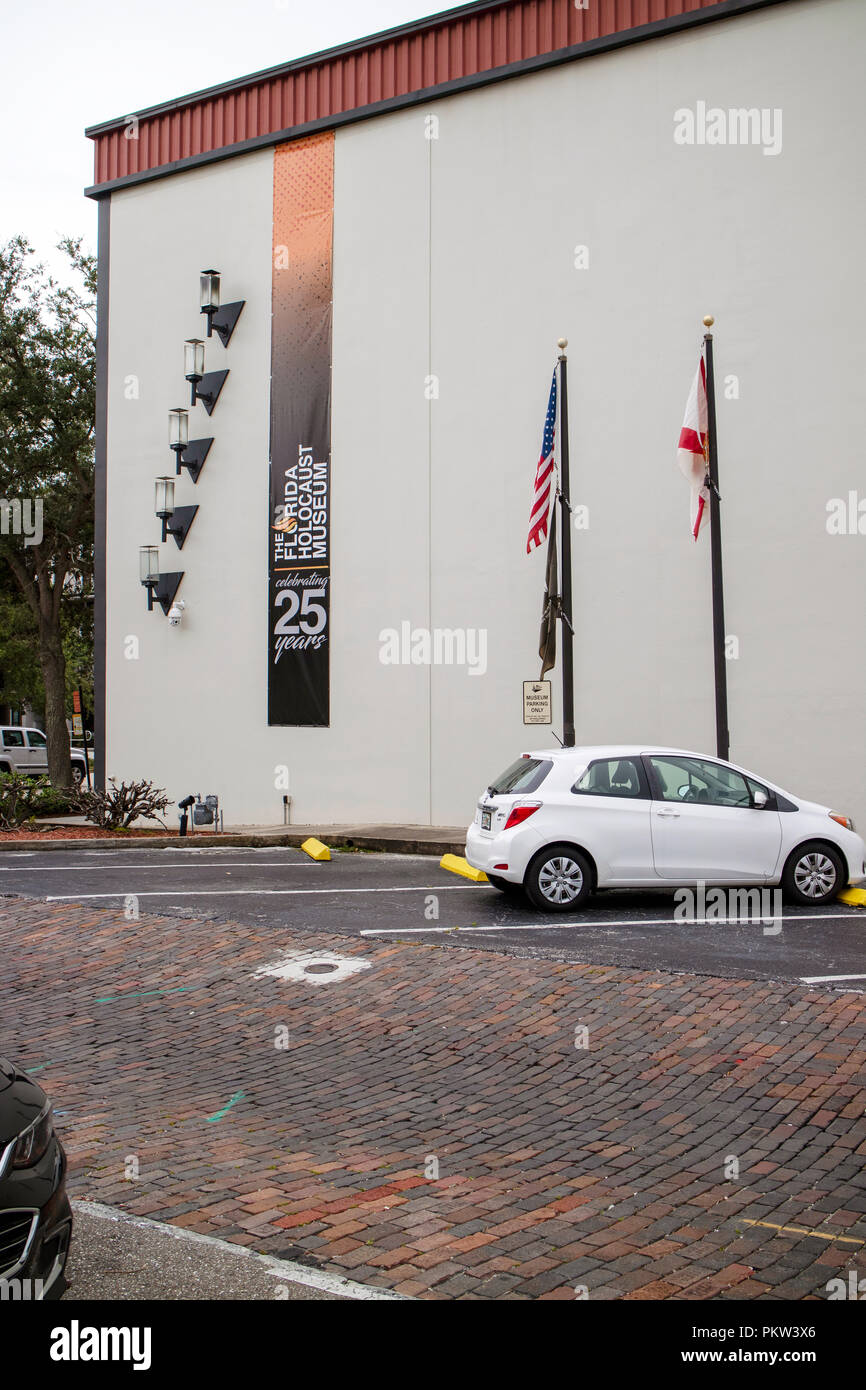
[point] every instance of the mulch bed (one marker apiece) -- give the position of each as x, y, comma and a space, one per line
76, 832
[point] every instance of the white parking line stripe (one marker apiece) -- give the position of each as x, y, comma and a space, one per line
532, 926
603, 922
824, 979
252, 892
94, 868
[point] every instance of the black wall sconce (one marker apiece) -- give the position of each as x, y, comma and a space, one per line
204, 386
176, 521
161, 587
220, 318
189, 453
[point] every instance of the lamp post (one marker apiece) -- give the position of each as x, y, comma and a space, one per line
178, 431
209, 296
148, 556
176, 521
161, 587
221, 318
203, 387
189, 453
164, 502
193, 364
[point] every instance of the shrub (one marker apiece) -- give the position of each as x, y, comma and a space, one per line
116, 807
23, 798
51, 802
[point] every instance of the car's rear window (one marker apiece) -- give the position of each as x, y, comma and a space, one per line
524, 775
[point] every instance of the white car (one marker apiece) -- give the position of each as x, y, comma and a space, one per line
25, 750
562, 823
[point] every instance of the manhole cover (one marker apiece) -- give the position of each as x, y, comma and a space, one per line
314, 967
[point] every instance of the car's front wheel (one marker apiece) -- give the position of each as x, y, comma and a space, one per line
559, 879
77, 775
813, 875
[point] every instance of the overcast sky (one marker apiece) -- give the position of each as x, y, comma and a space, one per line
67, 64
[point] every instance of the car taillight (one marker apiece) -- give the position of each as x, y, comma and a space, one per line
521, 812
842, 820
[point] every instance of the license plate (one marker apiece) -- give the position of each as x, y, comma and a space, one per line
486, 817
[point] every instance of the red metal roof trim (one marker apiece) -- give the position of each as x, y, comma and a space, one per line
459, 44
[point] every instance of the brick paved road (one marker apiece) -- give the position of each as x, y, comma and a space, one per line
558, 1166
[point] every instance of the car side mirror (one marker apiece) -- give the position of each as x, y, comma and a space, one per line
760, 800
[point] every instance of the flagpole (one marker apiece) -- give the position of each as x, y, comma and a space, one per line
565, 549
721, 674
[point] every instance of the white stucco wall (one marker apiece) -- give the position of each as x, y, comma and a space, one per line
455, 257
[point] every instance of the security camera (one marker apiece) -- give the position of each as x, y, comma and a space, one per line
175, 613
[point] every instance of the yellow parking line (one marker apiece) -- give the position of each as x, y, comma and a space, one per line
802, 1231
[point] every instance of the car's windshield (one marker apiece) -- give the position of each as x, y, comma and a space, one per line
524, 775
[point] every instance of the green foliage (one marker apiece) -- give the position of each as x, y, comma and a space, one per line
24, 798
47, 402
52, 801
47, 410
20, 673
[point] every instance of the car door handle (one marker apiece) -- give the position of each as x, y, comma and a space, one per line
667, 813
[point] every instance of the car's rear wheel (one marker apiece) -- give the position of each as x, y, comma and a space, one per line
559, 879
813, 875
504, 885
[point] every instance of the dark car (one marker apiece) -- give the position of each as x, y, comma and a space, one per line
35, 1216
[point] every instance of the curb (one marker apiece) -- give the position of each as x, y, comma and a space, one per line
380, 844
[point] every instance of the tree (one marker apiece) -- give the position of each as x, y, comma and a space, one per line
20, 674
47, 409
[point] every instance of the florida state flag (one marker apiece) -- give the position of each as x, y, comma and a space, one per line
693, 452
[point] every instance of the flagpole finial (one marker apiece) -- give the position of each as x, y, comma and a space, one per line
708, 320
562, 344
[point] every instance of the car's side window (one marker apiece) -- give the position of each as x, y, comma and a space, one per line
612, 777
696, 780
35, 739
13, 738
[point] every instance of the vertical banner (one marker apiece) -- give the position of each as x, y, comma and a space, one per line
299, 580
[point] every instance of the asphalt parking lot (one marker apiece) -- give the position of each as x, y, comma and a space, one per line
411, 897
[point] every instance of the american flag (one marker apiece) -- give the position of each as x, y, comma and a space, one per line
543, 476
